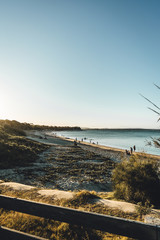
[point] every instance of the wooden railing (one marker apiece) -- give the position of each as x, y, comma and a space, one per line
115, 225
10, 234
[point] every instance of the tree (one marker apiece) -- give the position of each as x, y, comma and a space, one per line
156, 110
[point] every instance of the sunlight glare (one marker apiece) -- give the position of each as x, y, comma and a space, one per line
3, 107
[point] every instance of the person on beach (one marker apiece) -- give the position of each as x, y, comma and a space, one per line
127, 152
134, 148
131, 149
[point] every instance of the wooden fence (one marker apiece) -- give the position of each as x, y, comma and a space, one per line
115, 225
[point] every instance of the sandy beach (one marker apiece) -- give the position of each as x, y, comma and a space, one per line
67, 167
63, 166
115, 154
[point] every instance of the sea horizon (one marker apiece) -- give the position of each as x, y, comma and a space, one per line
127, 128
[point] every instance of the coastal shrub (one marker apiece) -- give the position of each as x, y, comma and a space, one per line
143, 209
15, 149
82, 198
137, 180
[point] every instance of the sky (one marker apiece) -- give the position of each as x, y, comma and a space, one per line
80, 63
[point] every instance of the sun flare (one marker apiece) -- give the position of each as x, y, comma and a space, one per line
3, 107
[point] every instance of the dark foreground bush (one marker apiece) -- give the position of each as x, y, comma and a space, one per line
16, 149
137, 180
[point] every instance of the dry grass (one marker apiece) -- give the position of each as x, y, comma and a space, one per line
73, 168
66, 168
56, 230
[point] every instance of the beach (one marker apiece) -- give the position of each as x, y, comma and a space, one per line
67, 167
63, 166
116, 154
123, 139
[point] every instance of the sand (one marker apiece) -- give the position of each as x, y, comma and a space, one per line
115, 154
58, 195
17, 186
42, 137
124, 206
152, 218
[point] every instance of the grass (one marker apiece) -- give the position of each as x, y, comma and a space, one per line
83, 200
73, 168
15, 149
68, 167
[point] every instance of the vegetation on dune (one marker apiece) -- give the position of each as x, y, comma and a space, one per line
15, 149
137, 180
65, 168
75, 168
51, 229
70, 232
82, 198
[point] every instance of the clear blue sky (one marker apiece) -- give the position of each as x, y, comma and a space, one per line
80, 63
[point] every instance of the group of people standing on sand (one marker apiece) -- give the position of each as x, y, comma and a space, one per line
132, 149
76, 141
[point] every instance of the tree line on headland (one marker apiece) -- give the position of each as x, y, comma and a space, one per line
29, 126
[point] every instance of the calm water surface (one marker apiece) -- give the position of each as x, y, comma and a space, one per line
119, 138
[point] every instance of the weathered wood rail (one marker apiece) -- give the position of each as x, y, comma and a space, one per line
115, 225
10, 234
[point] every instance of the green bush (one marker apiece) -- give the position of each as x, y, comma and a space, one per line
15, 149
137, 180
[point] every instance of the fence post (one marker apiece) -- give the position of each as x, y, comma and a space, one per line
158, 232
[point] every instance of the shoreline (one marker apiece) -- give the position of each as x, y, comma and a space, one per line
112, 152
116, 154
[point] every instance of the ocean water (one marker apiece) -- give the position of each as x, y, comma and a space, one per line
119, 138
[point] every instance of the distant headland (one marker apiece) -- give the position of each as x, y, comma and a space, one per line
30, 126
